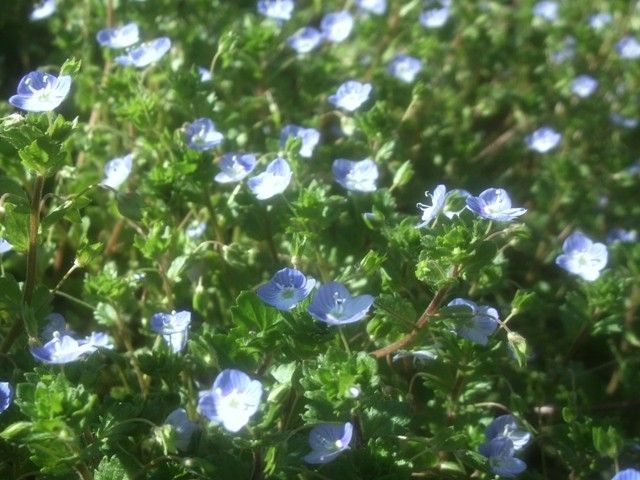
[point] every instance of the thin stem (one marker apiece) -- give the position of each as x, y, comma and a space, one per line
73, 268
345, 342
422, 322
74, 299
32, 258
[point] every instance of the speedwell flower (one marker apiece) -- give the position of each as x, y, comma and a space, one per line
437, 16
286, 289
583, 257
235, 166
202, 135
599, 20
232, 400
405, 67
628, 474
584, 86
543, 139
276, 9
494, 204
6, 395
146, 53
272, 181
183, 427
309, 136
481, 322
333, 304
350, 95
500, 453
614, 235
327, 441
628, 48
546, 10
305, 39
358, 176
429, 213
377, 7
336, 26
506, 426
41, 92
119, 37
174, 328
116, 171
42, 10
5, 246
624, 122
204, 74
62, 349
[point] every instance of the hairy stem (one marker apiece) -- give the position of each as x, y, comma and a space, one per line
32, 257
422, 322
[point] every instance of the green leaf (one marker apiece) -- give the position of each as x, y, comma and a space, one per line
130, 205
607, 442
251, 314
111, 468
518, 346
16, 224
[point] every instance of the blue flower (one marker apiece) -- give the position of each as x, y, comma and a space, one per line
120, 37
494, 204
98, 340
61, 349
146, 53
599, 20
350, 95
358, 176
327, 441
336, 26
232, 400
500, 452
628, 48
584, 86
6, 395
235, 166
55, 323
543, 139
305, 39
309, 136
478, 324
582, 257
286, 289
183, 427
624, 122
617, 235
333, 304
195, 229
205, 74
41, 92
628, 474
42, 10
377, 7
429, 213
174, 328
566, 52
5, 246
404, 67
276, 9
202, 135
506, 426
436, 17
116, 171
274, 180
546, 10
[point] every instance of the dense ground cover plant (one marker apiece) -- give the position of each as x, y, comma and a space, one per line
319, 239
